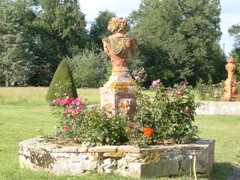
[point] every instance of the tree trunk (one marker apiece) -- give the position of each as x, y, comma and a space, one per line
7, 83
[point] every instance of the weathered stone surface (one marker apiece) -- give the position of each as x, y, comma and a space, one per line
130, 161
103, 149
218, 107
129, 149
82, 149
231, 92
66, 149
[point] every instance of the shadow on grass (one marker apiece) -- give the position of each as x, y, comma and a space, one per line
224, 171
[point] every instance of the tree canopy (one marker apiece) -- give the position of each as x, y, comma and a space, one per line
235, 32
16, 63
178, 39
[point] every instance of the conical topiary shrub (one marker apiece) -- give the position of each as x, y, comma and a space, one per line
62, 80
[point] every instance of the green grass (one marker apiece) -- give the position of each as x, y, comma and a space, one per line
20, 121
35, 96
224, 129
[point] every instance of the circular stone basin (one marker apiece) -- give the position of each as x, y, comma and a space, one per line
154, 161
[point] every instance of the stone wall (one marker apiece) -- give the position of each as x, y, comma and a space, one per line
218, 107
162, 160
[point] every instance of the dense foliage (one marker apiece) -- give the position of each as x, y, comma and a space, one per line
98, 29
235, 32
16, 64
176, 40
90, 68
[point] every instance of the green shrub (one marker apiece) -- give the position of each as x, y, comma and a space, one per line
91, 68
63, 78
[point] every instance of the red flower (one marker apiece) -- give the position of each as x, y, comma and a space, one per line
66, 128
148, 131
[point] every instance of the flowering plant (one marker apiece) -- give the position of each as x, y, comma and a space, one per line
80, 124
210, 91
92, 124
169, 114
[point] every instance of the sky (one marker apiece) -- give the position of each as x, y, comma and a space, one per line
230, 14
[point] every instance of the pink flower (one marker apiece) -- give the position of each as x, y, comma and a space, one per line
78, 110
136, 77
158, 80
66, 128
69, 108
186, 107
64, 102
74, 125
215, 96
57, 85
154, 84
179, 92
203, 84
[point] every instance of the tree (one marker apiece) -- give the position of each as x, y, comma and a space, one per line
98, 29
178, 39
58, 28
16, 59
235, 32
62, 79
90, 68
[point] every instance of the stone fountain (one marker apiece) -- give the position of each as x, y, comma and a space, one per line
117, 94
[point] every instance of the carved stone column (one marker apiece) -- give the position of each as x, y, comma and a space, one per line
117, 93
231, 91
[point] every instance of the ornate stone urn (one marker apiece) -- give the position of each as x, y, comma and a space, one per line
117, 93
231, 91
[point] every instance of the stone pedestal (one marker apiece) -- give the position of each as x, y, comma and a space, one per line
118, 94
231, 91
